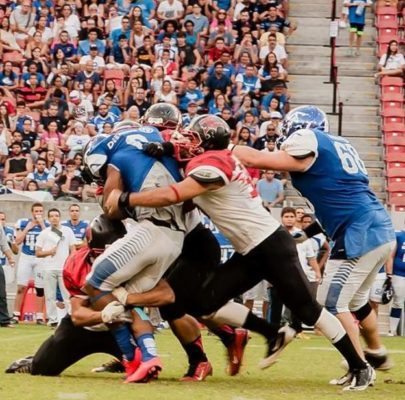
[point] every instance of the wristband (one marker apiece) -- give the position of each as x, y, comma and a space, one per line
124, 200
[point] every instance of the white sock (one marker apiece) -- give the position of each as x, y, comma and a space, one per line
39, 315
394, 325
330, 326
382, 351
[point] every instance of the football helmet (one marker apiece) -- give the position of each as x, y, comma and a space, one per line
125, 125
162, 116
213, 131
103, 231
95, 159
304, 117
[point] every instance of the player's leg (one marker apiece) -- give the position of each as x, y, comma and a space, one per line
24, 274
398, 282
289, 278
68, 345
40, 293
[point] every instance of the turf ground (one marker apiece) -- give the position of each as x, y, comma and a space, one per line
302, 373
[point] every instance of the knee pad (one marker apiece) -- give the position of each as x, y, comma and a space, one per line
363, 312
39, 292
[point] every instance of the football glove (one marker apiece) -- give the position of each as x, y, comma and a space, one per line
112, 311
158, 149
387, 291
121, 294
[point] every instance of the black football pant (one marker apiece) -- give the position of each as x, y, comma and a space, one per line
70, 344
202, 287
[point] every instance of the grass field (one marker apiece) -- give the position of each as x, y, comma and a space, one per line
302, 373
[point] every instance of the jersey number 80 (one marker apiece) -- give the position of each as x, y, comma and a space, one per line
350, 159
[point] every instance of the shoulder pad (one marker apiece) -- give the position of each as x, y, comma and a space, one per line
301, 143
210, 167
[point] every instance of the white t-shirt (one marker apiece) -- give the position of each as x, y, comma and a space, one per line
395, 61
279, 51
305, 251
98, 62
48, 239
77, 142
170, 11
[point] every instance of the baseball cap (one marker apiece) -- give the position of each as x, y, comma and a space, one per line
275, 115
93, 47
74, 94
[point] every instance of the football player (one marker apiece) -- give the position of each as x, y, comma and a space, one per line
329, 172
219, 185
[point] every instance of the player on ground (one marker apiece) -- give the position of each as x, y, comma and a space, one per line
328, 171
221, 187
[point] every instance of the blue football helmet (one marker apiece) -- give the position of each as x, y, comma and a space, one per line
95, 157
304, 117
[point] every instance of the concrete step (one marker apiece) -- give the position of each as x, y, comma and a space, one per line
324, 51
319, 67
325, 97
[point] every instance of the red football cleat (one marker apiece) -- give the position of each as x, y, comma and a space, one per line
198, 372
133, 365
236, 350
146, 371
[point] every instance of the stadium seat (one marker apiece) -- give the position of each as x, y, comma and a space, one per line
394, 156
117, 75
393, 96
392, 108
392, 119
386, 11
396, 187
397, 199
392, 81
396, 173
394, 140
14, 56
387, 23
382, 33
396, 164
391, 85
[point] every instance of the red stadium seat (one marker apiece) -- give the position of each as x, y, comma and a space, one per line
396, 173
117, 75
387, 23
391, 108
396, 187
397, 199
394, 140
393, 96
394, 128
394, 156
396, 165
396, 179
384, 33
391, 81
386, 11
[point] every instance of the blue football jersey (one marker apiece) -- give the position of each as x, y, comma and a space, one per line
10, 234
226, 248
79, 229
30, 240
399, 259
337, 186
126, 155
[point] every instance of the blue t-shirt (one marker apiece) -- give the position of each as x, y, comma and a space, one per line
98, 121
399, 258
337, 186
353, 17
269, 191
79, 229
30, 240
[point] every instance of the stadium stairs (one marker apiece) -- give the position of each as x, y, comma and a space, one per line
309, 67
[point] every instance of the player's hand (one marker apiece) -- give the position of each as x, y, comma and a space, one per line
11, 262
159, 149
121, 295
112, 312
111, 205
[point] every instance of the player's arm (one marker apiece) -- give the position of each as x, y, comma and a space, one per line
114, 181
324, 252
20, 236
389, 265
162, 294
82, 315
161, 197
279, 160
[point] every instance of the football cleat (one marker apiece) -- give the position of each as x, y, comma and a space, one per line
111, 366
284, 336
21, 366
343, 380
146, 371
197, 372
131, 366
236, 351
380, 362
362, 379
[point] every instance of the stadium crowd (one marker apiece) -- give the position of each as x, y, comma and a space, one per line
72, 69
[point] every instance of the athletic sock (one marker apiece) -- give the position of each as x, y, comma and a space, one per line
39, 315
147, 345
260, 325
331, 327
225, 333
395, 317
125, 341
195, 351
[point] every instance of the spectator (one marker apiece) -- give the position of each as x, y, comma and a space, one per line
191, 94
246, 44
22, 19
139, 100
52, 114
8, 78
30, 138
357, 21
53, 140
33, 93
8, 37
77, 225
53, 246
68, 48
17, 137
53, 166
220, 103
192, 109
103, 115
145, 54
270, 136
18, 166
189, 57
85, 46
35, 43
166, 94
77, 140
70, 185
201, 23
392, 63
32, 186
71, 21
247, 105
98, 63
170, 67
88, 73
278, 93
270, 190
215, 53
247, 83
249, 121
116, 34
80, 109
170, 9
41, 176
111, 88
219, 81
120, 55
245, 138
273, 47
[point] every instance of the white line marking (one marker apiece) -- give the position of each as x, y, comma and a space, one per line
17, 338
